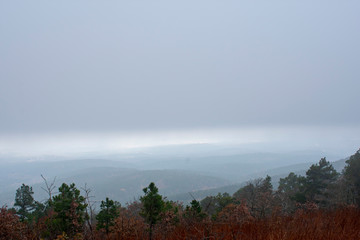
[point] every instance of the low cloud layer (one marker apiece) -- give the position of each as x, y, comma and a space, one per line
147, 66
335, 140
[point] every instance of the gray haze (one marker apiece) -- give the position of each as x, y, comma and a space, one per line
160, 65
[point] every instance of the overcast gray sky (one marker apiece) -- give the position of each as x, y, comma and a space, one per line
155, 65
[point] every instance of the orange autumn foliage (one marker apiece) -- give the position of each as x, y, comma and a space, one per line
11, 227
235, 222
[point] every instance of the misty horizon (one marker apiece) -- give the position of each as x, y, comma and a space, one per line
340, 140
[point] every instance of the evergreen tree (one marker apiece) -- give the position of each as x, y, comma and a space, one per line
319, 177
291, 191
24, 201
153, 206
352, 178
109, 211
212, 205
194, 211
69, 207
194, 207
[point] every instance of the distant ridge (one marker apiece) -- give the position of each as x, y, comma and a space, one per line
275, 174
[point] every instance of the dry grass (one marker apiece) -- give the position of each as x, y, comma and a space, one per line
341, 224
314, 224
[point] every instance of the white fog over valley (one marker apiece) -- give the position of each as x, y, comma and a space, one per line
202, 162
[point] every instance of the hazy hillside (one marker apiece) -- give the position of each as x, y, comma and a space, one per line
126, 184
276, 174
235, 167
177, 170
13, 174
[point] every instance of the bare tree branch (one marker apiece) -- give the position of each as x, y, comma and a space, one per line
49, 188
90, 209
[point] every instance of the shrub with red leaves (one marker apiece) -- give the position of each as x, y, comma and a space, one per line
10, 226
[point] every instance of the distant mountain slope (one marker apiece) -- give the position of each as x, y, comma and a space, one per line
236, 167
125, 185
275, 174
14, 174
119, 180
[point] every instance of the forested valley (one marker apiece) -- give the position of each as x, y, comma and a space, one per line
323, 204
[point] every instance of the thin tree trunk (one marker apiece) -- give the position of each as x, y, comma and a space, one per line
150, 231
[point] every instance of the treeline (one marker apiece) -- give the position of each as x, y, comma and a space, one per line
323, 204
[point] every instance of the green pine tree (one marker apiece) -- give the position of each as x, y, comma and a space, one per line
109, 211
69, 207
153, 206
318, 179
24, 201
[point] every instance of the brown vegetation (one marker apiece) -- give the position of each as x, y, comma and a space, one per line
234, 222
